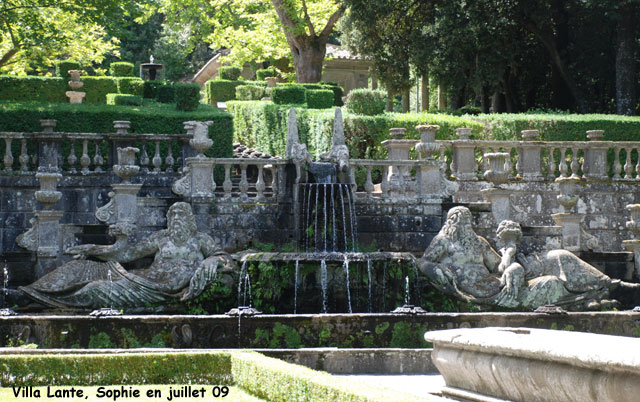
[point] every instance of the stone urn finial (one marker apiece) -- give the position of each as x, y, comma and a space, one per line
530, 135
595, 135
126, 167
427, 145
496, 173
397, 133
568, 197
48, 194
200, 141
75, 96
271, 81
464, 133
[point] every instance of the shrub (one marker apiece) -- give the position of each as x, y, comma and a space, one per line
150, 89
263, 73
121, 69
42, 89
187, 96
166, 93
124, 99
288, 94
97, 88
230, 73
63, 67
249, 92
130, 85
221, 90
366, 101
338, 92
319, 98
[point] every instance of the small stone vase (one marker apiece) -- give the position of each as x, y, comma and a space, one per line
496, 173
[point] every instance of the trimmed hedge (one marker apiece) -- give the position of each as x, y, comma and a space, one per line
366, 101
249, 92
319, 98
277, 381
150, 89
290, 94
166, 93
221, 90
187, 96
97, 88
124, 100
130, 85
231, 73
63, 67
121, 69
40, 89
338, 92
263, 73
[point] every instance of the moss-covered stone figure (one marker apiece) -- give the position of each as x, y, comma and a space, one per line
460, 263
185, 262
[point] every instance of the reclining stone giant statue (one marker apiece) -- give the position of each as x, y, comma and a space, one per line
462, 264
185, 262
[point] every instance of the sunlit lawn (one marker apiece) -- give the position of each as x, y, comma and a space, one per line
235, 394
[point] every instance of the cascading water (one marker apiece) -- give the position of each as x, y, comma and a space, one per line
323, 279
110, 287
369, 281
407, 296
295, 289
345, 266
5, 285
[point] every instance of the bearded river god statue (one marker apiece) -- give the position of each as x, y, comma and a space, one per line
462, 264
185, 262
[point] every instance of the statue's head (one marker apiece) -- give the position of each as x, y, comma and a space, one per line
180, 222
458, 222
509, 232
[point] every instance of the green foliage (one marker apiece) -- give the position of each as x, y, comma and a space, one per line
249, 92
263, 73
366, 101
143, 368
338, 92
100, 341
221, 90
319, 98
408, 335
97, 88
124, 100
187, 96
288, 95
121, 69
63, 67
166, 93
130, 85
230, 73
283, 336
150, 89
43, 89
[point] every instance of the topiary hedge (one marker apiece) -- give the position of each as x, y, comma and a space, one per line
97, 88
166, 93
263, 73
249, 92
366, 101
221, 90
121, 69
288, 94
338, 92
187, 96
150, 89
130, 85
38, 89
63, 67
124, 99
231, 73
319, 98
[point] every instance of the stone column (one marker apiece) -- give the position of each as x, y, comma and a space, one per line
529, 156
123, 207
49, 153
399, 178
498, 197
569, 219
429, 176
595, 157
464, 158
633, 245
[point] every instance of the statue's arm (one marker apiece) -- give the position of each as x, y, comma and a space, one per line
208, 246
436, 250
490, 258
125, 254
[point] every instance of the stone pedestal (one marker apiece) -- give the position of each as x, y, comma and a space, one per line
49, 148
48, 232
464, 158
398, 150
634, 247
529, 156
571, 230
126, 196
75, 96
202, 184
430, 180
595, 157
500, 203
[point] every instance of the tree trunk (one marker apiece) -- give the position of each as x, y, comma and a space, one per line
406, 102
626, 61
389, 107
485, 101
442, 99
425, 92
497, 102
308, 61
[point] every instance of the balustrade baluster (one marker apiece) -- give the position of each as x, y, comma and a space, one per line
244, 184
84, 159
384, 186
400, 174
443, 159
144, 159
551, 165
485, 162
628, 167
274, 181
508, 166
169, 160
157, 159
574, 162
638, 164
8, 158
260, 184
563, 163
72, 159
227, 185
368, 184
24, 156
617, 168
98, 160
